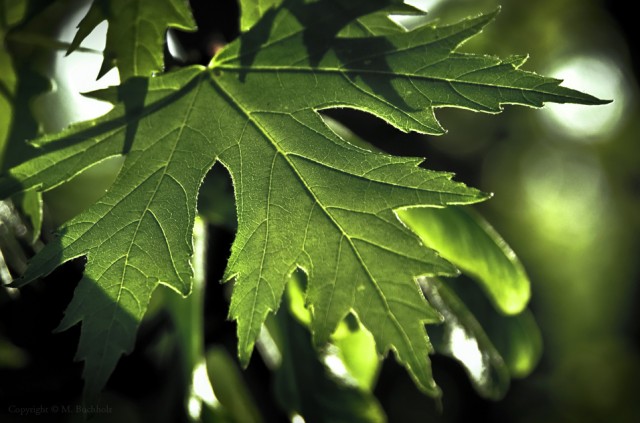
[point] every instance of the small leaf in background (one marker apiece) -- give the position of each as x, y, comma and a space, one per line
137, 33
491, 347
252, 10
468, 241
516, 337
30, 204
351, 344
356, 348
463, 338
319, 388
228, 384
519, 341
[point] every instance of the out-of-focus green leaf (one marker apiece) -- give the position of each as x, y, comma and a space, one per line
468, 241
30, 203
491, 347
11, 356
319, 391
351, 342
23, 72
519, 341
236, 401
516, 337
463, 338
357, 350
136, 34
252, 10
7, 84
187, 315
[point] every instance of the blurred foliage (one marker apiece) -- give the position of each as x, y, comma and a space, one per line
567, 201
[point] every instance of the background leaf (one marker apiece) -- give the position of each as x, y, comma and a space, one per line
463, 338
252, 10
468, 241
316, 390
137, 33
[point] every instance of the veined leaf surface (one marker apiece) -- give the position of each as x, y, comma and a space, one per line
305, 198
136, 34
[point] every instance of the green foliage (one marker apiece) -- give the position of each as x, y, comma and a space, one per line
305, 198
136, 35
478, 251
252, 10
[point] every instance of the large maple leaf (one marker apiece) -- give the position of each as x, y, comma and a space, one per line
305, 197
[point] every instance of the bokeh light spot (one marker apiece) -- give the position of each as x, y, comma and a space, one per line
599, 76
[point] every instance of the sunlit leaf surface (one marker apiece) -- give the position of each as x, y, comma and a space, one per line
305, 198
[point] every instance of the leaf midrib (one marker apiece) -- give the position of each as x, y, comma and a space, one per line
388, 74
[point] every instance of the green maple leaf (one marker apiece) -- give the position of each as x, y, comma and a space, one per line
8, 85
305, 198
342, 11
136, 34
252, 11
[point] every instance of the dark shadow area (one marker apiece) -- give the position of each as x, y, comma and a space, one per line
322, 21
384, 137
133, 94
403, 402
362, 59
50, 385
216, 204
49, 376
629, 28
145, 386
218, 24
23, 124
